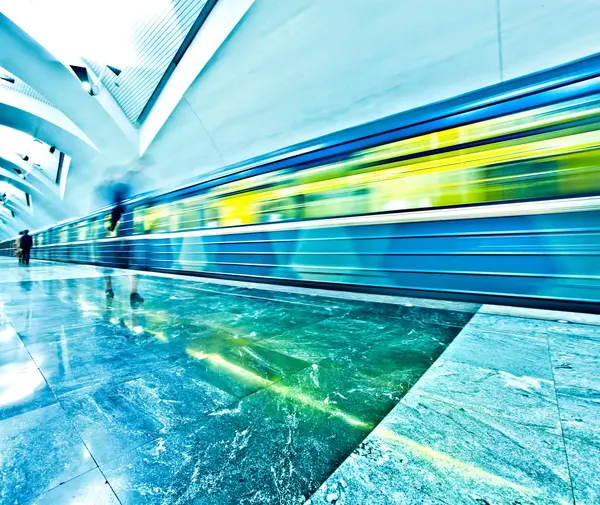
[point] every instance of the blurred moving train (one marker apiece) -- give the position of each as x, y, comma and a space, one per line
493, 196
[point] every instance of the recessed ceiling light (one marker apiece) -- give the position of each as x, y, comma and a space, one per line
83, 75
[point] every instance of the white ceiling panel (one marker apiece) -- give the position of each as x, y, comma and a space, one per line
138, 37
154, 42
19, 86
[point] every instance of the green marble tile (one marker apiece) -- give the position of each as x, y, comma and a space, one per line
336, 340
119, 416
519, 399
82, 362
465, 457
580, 414
89, 488
575, 361
519, 355
425, 315
510, 325
275, 446
239, 369
361, 481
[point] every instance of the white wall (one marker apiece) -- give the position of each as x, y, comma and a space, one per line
540, 34
295, 70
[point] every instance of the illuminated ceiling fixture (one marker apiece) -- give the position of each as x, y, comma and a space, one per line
86, 82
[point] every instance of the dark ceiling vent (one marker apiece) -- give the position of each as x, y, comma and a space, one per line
114, 70
7, 78
81, 73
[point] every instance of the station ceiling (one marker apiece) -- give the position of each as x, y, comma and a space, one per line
81, 79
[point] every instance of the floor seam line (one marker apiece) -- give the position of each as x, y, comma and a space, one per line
560, 421
58, 402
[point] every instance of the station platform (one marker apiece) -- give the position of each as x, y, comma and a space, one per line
216, 392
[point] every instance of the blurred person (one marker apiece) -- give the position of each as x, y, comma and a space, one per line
123, 259
26, 243
18, 251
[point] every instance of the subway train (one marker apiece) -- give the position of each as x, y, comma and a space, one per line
491, 197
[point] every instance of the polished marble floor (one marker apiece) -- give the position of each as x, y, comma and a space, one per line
228, 393
509, 414
205, 393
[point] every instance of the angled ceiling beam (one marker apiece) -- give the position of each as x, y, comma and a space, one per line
99, 117
5, 212
21, 212
17, 206
222, 20
7, 229
16, 222
47, 203
46, 123
43, 184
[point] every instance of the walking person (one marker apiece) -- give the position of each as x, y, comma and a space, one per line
26, 244
121, 258
18, 251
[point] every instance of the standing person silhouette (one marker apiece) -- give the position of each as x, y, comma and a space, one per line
26, 244
18, 251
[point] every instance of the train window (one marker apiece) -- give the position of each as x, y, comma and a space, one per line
93, 228
191, 213
138, 220
238, 209
162, 218
82, 231
337, 202
173, 220
282, 209
154, 218
149, 218
521, 180
63, 235
211, 216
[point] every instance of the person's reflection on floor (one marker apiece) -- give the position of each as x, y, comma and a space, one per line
134, 298
115, 314
25, 282
138, 321
26, 285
